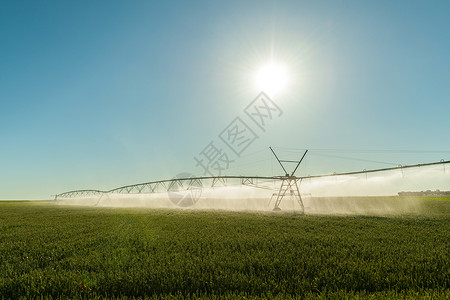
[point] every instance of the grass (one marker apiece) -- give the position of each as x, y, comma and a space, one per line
71, 252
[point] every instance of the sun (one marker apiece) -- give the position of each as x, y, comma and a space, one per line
272, 78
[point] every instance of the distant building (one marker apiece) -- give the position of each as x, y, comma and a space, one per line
424, 193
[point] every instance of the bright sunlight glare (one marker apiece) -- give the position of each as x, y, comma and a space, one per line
271, 78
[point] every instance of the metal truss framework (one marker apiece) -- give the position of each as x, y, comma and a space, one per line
167, 185
289, 183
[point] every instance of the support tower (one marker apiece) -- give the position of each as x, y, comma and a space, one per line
289, 183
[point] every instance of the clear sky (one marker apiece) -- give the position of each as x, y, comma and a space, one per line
99, 94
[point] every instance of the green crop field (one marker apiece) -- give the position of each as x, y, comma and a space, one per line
72, 252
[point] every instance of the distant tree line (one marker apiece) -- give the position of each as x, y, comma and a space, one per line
424, 193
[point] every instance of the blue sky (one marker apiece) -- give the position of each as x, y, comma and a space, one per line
99, 94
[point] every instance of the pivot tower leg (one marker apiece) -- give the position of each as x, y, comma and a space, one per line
289, 185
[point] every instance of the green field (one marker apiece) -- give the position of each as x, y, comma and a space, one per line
72, 252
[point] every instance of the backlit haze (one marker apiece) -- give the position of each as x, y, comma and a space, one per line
101, 94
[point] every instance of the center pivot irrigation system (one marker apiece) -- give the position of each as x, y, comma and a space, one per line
289, 183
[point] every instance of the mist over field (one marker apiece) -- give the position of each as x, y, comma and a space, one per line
373, 193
